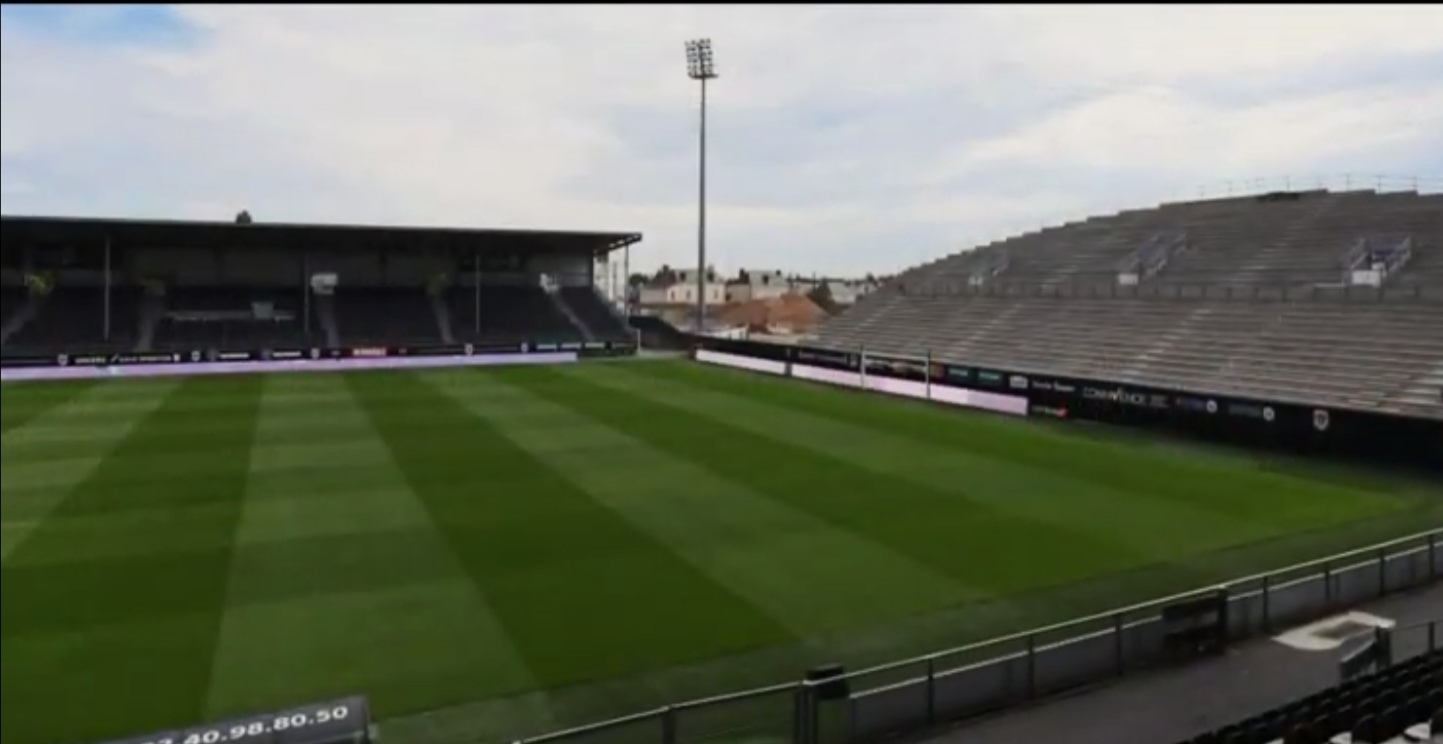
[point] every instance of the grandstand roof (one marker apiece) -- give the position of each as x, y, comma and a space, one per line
32, 230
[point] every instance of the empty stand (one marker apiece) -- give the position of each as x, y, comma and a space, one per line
12, 300
508, 314
73, 318
1402, 703
600, 320
1239, 241
231, 318
1240, 305
384, 315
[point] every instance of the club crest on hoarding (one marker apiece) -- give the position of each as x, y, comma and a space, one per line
1321, 420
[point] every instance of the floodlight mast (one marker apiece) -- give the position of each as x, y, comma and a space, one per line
701, 67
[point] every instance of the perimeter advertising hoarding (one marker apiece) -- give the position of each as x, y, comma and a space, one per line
1310, 430
202, 356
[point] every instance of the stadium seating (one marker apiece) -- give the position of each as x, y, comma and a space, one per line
601, 322
11, 300
231, 318
1239, 241
71, 318
190, 318
385, 315
1247, 301
1402, 703
508, 314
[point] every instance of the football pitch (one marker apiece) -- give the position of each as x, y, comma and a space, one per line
515, 549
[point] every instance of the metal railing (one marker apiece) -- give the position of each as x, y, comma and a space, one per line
947, 685
1224, 189
1200, 290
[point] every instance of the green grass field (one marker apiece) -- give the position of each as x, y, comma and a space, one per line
526, 548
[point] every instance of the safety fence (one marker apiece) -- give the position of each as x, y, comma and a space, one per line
924, 691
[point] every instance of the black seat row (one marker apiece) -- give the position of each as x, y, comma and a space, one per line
1374, 708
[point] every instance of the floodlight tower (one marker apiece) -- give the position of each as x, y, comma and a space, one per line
700, 67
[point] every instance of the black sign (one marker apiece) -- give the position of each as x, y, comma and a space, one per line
199, 356
1243, 409
35, 361
826, 358
949, 374
989, 378
1054, 386
1127, 397
344, 721
1195, 405
896, 367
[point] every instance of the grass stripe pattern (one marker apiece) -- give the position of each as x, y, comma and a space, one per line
492, 553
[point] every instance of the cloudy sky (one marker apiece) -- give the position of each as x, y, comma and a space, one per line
842, 139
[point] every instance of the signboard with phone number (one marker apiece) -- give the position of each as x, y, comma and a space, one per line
344, 721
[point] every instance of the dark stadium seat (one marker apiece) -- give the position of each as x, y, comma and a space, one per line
231, 318
601, 321
1376, 708
11, 300
72, 318
508, 314
378, 316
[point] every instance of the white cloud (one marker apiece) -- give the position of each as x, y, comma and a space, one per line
843, 139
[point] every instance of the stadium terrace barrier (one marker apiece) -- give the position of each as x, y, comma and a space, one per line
294, 365
914, 694
152, 364
875, 382
1285, 425
741, 362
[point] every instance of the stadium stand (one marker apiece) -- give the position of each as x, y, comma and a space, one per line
508, 312
1399, 704
229, 317
367, 316
597, 319
74, 286
1322, 297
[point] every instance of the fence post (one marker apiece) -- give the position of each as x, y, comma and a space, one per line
668, 725
1328, 585
1382, 572
799, 714
1117, 627
1031, 665
931, 691
1433, 556
1267, 603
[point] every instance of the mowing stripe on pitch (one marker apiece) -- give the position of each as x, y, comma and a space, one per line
1232, 488
21, 403
99, 623
58, 449
934, 525
352, 591
583, 593
809, 575
1152, 528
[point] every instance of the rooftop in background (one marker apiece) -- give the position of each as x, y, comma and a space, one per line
32, 230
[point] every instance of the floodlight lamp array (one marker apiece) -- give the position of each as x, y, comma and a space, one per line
699, 62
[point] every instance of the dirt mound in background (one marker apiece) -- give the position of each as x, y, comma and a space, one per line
790, 311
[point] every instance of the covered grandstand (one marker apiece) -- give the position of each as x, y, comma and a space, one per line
75, 286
